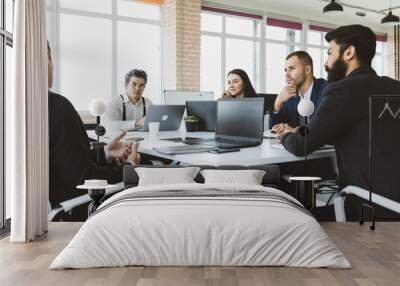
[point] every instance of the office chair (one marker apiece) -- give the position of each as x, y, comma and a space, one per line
269, 101
68, 205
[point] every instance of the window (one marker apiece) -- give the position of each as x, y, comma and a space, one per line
9, 15
231, 39
378, 62
282, 38
210, 64
145, 56
317, 47
95, 42
275, 55
6, 43
84, 64
228, 41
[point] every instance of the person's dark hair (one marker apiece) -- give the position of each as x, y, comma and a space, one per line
136, 73
303, 56
362, 38
248, 87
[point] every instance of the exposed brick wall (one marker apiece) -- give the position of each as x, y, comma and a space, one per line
390, 55
182, 44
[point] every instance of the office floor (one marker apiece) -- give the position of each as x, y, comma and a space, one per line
375, 257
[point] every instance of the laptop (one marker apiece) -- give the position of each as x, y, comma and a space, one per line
206, 111
169, 116
240, 123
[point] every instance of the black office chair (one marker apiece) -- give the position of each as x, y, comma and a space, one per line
269, 101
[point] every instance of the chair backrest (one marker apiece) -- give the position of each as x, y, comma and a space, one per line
384, 143
269, 101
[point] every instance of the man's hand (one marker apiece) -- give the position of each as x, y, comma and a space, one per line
287, 92
118, 150
134, 157
282, 127
286, 131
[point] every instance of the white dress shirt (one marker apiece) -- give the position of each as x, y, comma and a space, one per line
134, 112
307, 94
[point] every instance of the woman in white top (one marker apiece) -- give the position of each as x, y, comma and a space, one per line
128, 110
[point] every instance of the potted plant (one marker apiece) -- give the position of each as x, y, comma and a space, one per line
192, 123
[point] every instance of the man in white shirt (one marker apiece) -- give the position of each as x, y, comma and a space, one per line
301, 84
128, 110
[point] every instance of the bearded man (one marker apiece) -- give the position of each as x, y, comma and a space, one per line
342, 119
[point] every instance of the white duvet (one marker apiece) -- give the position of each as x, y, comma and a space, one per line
200, 231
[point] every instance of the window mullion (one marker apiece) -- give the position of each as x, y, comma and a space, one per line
223, 54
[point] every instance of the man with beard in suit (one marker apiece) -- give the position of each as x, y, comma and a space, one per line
342, 119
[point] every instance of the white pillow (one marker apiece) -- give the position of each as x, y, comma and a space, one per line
166, 176
248, 177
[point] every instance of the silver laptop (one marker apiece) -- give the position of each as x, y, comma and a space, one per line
169, 116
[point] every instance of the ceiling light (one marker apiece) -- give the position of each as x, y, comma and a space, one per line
333, 9
390, 20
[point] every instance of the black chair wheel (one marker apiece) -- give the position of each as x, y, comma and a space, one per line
361, 222
372, 227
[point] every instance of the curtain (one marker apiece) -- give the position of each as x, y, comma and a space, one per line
27, 123
396, 52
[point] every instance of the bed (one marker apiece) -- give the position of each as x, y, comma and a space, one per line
197, 224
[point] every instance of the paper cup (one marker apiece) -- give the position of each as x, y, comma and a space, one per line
154, 128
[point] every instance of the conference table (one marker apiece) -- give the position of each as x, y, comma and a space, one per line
269, 152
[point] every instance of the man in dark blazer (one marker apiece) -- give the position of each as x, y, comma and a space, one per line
343, 115
301, 84
71, 159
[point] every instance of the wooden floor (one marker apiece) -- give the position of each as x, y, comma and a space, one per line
374, 255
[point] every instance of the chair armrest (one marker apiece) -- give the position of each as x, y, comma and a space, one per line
68, 205
376, 199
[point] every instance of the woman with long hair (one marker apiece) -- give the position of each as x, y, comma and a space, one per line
239, 85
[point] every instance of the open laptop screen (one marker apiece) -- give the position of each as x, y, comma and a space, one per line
206, 111
240, 119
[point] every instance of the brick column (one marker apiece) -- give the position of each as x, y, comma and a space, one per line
182, 44
390, 58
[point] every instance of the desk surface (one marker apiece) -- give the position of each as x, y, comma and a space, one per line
262, 154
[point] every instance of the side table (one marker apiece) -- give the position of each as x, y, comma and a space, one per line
96, 193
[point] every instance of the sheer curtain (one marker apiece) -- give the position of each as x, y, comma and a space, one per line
27, 123
397, 52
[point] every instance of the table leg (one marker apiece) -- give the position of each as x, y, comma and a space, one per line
96, 195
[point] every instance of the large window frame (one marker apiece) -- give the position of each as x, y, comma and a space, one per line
260, 69
6, 39
290, 42
256, 39
55, 10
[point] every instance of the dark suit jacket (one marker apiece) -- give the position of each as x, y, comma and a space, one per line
342, 120
288, 114
71, 159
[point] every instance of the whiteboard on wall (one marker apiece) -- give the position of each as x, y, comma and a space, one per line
180, 97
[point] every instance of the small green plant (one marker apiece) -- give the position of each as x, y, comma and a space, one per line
191, 118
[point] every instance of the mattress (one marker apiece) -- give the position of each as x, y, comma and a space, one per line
201, 225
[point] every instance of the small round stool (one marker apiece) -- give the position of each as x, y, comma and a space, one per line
96, 193
305, 190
